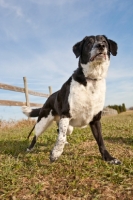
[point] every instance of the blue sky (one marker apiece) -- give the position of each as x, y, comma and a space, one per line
36, 39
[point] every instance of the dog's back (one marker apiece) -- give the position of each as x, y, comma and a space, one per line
80, 100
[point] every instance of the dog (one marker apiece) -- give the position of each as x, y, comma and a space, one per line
80, 100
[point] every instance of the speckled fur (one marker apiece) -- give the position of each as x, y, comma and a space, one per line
80, 100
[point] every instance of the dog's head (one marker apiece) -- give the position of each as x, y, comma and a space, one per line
95, 49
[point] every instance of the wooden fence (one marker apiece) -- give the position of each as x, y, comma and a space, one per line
22, 90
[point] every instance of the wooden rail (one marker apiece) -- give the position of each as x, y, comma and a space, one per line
19, 89
18, 103
22, 90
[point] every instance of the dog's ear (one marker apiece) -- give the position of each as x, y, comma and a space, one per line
113, 47
77, 48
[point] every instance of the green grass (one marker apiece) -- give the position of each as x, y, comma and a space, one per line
79, 174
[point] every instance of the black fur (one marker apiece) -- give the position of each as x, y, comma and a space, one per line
79, 76
58, 101
32, 143
31, 132
96, 129
35, 112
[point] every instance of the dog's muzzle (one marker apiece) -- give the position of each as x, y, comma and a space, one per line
99, 56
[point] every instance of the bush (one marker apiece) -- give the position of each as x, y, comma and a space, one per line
119, 108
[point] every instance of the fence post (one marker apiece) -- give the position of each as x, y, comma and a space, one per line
50, 90
26, 91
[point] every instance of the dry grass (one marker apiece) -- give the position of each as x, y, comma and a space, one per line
79, 174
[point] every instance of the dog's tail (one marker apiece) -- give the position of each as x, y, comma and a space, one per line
31, 131
29, 112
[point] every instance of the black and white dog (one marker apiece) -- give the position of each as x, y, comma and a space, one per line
80, 100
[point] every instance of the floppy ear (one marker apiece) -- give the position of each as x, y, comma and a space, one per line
77, 48
113, 47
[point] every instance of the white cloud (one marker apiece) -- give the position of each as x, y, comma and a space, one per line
13, 8
36, 39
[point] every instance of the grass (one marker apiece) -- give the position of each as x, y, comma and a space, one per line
79, 174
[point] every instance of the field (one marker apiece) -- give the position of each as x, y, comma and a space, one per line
79, 174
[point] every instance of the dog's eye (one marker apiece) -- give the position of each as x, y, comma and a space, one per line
90, 42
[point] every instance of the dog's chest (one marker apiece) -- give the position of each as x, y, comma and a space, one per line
85, 101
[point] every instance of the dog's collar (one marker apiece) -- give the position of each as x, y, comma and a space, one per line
88, 78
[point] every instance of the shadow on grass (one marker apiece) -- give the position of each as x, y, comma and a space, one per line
16, 147
120, 140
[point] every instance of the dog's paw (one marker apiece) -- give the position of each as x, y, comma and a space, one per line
55, 153
115, 162
52, 157
29, 150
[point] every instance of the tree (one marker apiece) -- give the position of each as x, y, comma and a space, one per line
124, 107
120, 108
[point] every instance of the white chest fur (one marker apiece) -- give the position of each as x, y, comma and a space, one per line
86, 101
96, 70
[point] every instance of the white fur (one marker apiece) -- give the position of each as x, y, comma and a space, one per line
43, 124
26, 110
61, 140
69, 130
95, 50
86, 102
95, 69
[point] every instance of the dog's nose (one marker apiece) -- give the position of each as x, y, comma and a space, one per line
100, 46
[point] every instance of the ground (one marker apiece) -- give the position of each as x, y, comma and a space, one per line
79, 174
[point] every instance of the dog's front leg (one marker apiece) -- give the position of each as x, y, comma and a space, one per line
61, 140
97, 132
